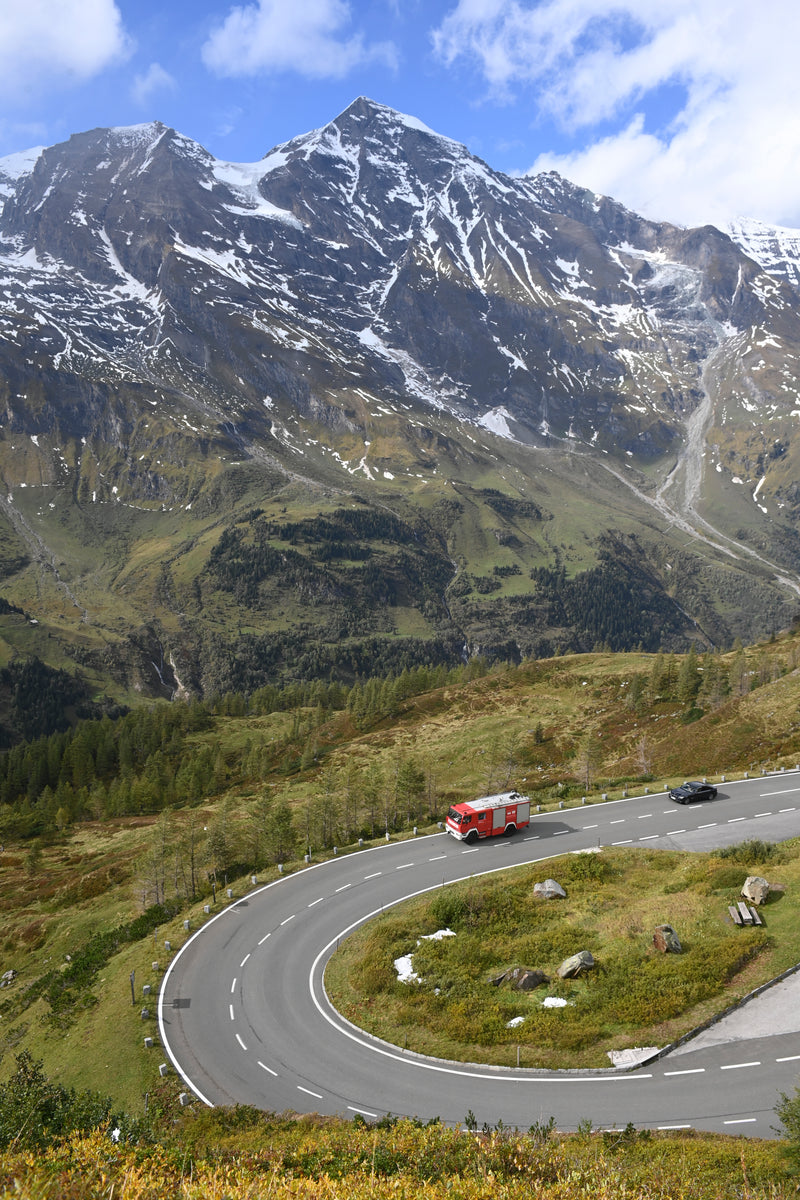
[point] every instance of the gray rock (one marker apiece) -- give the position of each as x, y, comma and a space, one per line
522, 979
666, 940
549, 890
755, 889
577, 965
526, 981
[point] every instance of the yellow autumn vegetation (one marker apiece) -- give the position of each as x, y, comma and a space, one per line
337, 1160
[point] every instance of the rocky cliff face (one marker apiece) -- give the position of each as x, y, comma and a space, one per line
371, 306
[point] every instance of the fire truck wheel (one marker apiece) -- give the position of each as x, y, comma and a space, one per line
510, 829
472, 836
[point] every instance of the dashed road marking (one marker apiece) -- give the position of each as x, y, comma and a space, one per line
737, 1066
308, 1092
241, 1043
687, 1071
264, 1067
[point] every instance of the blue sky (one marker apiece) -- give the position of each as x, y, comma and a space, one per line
685, 110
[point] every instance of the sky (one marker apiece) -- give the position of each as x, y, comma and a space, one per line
683, 110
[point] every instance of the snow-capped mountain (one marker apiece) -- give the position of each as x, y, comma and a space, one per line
773, 247
370, 305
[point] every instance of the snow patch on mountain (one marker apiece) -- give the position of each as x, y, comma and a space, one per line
496, 421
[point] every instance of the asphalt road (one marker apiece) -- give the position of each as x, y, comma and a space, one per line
244, 1018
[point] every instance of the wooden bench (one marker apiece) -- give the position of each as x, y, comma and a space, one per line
746, 915
735, 917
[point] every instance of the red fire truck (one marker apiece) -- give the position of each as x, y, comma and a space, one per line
489, 816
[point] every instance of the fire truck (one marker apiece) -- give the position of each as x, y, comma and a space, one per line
488, 816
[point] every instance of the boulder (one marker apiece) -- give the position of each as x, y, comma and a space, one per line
522, 979
8, 978
526, 981
549, 890
577, 965
666, 940
755, 889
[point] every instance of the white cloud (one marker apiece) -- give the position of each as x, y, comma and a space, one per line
730, 143
43, 42
154, 80
305, 36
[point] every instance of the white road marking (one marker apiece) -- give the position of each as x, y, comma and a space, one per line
436, 857
783, 810
266, 935
627, 842
789, 1058
264, 1067
472, 850
374, 875
307, 1091
404, 866
244, 960
670, 832
533, 838
688, 1071
673, 1127
230, 1006
559, 832
233, 985
241, 1043
344, 887
711, 826
769, 814
741, 1121
590, 827
649, 837
783, 792
733, 820
736, 1066
643, 816
288, 919
319, 901
621, 821
363, 1111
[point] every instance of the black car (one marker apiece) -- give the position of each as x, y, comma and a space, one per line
688, 792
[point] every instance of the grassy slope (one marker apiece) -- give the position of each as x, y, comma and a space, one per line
111, 553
